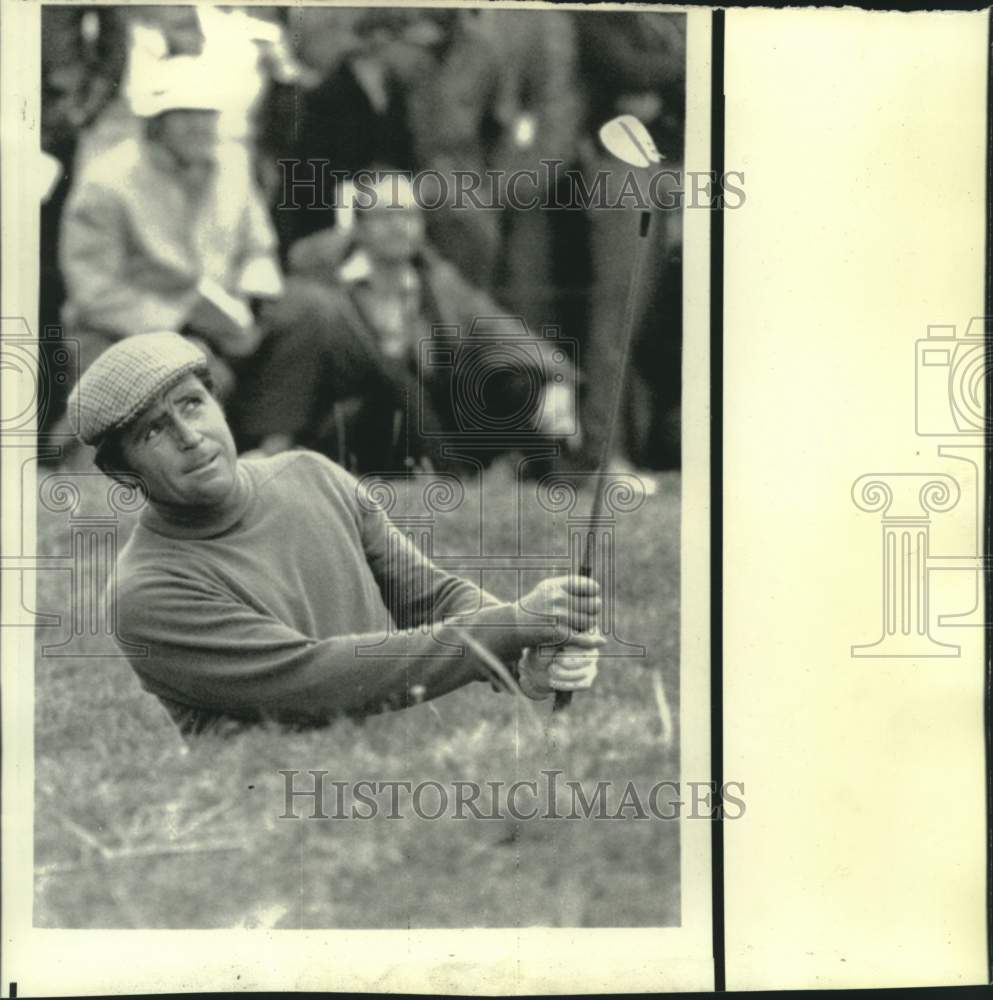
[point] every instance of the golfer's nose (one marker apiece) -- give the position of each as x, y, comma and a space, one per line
187, 436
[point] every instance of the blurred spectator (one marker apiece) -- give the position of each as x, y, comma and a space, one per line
248, 57
355, 119
240, 54
635, 63
449, 91
163, 233
362, 393
82, 57
147, 36
539, 106
322, 35
454, 82
82, 60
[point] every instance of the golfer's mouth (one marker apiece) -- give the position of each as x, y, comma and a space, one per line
202, 466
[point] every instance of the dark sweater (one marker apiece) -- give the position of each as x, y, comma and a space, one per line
260, 612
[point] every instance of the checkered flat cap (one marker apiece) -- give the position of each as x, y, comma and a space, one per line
126, 379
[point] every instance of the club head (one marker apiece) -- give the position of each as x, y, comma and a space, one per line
627, 138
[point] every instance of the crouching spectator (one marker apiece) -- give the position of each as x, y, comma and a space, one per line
160, 232
388, 356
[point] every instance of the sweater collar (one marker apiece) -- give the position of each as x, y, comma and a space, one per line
174, 523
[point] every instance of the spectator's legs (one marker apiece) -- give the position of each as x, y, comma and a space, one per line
319, 380
307, 359
467, 236
526, 280
614, 243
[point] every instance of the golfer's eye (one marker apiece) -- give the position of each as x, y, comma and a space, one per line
151, 432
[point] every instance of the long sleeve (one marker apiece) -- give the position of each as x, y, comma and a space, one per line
415, 590
311, 607
210, 651
260, 274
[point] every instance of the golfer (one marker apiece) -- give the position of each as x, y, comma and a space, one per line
259, 586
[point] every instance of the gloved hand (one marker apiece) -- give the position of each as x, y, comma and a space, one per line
572, 667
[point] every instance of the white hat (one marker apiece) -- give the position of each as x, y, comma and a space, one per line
179, 82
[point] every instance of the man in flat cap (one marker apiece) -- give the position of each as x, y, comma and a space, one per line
252, 583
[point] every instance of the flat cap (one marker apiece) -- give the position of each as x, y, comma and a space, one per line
126, 379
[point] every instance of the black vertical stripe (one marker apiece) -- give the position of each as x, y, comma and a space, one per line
717, 491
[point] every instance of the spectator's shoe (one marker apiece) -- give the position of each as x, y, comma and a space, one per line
621, 466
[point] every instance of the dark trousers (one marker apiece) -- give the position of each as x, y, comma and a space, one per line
324, 383
650, 385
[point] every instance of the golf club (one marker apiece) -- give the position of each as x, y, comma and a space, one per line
627, 139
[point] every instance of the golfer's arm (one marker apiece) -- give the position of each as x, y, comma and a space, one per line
419, 593
415, 589
208, 650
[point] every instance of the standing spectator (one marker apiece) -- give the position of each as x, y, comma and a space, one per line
240, 54
540, 106
147, 36
251, 67
453, 101
635, 63
355, 119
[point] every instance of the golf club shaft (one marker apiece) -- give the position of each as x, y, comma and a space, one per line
564, 698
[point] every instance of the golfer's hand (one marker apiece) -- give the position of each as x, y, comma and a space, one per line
572, 667
572, 602
575, 665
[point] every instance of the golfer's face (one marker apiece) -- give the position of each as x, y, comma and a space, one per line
183, 449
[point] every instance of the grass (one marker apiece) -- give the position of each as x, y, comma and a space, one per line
135, 829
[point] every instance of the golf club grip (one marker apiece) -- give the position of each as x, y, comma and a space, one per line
563, 699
